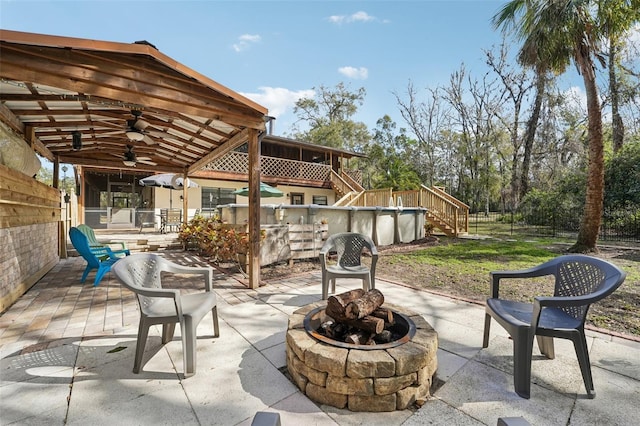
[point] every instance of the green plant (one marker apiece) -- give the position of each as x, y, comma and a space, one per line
428, 229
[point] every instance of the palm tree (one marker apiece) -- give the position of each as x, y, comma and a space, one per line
554, 33
617, 18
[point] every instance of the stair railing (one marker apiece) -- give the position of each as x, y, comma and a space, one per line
352, 182
443, 207
340, 185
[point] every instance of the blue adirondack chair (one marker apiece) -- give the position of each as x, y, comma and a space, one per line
94, 243
100, 258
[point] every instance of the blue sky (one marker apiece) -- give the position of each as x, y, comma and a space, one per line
275, 52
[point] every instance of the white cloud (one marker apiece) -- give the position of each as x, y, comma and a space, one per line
245, 41
278, 100
356, 73
355, 17
361, 16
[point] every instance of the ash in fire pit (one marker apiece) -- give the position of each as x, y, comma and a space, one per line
379, 376
356, 319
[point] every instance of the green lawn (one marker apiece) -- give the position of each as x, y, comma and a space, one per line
460, 267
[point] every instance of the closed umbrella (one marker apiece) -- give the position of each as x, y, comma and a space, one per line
265, 191
167, 180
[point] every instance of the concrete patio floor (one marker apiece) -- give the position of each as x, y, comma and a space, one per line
67, 356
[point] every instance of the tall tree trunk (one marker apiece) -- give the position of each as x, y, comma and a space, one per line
532, 125
617, 126
592, 215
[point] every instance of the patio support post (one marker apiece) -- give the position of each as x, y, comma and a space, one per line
56, 172
254, 209
185, 198
79, 172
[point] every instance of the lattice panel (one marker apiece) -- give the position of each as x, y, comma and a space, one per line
233, 162
238, 162
355, 174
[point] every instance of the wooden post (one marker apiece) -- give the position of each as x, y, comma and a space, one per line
254, 209
185, 197
81, 195
56, 172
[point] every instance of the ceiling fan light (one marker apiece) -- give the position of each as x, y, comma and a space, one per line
134, 135
129, 163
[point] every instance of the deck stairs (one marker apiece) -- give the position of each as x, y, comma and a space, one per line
443, 211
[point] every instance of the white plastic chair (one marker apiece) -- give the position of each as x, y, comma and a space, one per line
141, 273
349, 247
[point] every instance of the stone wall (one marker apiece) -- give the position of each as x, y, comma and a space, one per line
26, 254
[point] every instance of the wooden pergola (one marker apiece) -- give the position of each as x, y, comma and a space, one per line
91, 103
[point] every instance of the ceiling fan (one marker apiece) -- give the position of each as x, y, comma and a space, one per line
136, 126
130, 159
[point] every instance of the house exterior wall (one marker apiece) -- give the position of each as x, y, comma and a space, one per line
163, 200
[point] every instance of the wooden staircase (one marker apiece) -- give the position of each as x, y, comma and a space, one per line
444, 211
346, 187
441, 224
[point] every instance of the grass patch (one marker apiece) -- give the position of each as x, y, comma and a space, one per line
469, 256
461, 267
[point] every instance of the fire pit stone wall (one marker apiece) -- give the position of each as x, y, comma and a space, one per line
362, 380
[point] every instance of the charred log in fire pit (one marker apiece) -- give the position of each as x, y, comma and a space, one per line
358, 318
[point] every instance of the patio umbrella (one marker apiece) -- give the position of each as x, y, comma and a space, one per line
265, 191
167, 180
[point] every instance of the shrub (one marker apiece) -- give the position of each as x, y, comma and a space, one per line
428, 229
219, 241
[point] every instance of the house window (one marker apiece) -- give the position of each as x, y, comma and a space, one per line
320, 200
297, 198
213, 197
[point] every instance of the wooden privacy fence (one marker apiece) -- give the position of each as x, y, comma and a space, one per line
31, 233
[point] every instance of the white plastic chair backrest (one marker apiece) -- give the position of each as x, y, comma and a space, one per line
141, 271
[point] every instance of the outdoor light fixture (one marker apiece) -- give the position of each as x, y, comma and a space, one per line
76, 141
134, 135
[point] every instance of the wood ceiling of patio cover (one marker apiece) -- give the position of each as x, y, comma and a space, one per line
52, 86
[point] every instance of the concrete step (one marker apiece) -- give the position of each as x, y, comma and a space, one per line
135, 241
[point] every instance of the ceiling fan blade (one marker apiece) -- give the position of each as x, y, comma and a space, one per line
110, 133
148, 140
147, 162
140, 124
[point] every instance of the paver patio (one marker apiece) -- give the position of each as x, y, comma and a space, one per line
67, 354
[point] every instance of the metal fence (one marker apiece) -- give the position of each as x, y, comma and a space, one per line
618, 225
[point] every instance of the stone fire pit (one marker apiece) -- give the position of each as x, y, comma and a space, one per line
388, 378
